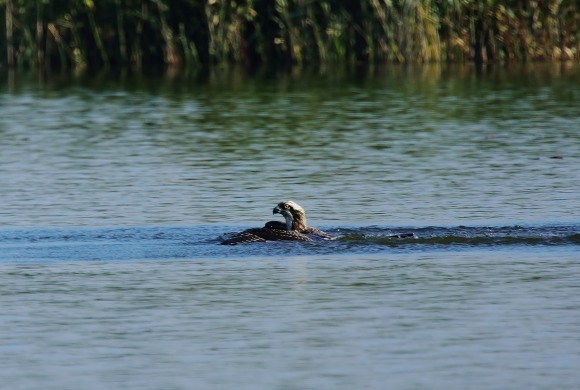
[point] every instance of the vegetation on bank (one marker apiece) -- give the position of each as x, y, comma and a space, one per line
140, 33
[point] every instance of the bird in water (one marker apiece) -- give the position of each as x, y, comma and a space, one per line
294, 228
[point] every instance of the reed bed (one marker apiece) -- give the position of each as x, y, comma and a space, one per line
195, 33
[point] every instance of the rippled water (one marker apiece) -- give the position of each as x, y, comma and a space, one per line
116, 189
201, 242
453, 320
395, 148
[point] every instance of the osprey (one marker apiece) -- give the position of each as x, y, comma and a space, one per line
293, 229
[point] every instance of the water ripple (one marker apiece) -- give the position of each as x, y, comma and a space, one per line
203, 242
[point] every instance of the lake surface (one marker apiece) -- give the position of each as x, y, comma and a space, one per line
115, 190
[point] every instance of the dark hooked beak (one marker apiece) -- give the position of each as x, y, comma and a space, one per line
287, 216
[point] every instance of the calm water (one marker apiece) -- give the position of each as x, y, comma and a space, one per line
115, 189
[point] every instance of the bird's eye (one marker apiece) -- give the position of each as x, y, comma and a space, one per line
286, 207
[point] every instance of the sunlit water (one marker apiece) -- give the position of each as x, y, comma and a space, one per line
115, 191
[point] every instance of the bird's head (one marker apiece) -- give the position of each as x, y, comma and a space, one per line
293, 213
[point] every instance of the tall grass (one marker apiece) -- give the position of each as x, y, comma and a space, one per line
139, 33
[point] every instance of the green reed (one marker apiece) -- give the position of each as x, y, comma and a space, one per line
139, 33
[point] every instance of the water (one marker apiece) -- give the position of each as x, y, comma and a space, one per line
483, 319
396, 148
115, 190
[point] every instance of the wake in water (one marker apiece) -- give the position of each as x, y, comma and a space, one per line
194, 242
463, 236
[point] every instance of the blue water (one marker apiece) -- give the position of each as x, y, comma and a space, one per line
115, 191
454, 319
202, 242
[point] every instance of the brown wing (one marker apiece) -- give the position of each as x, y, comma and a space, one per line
276, 225
242, 237
264, 234
317, 233
308, 230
